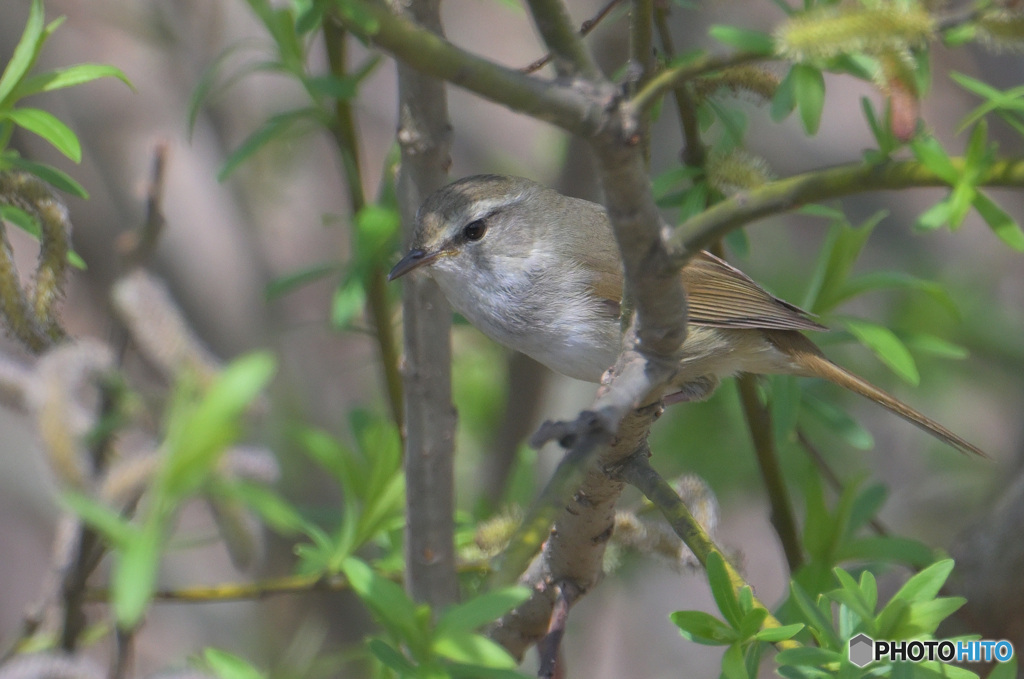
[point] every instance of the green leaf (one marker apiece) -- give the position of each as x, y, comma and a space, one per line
50, 175
481, 610
809, 92
774, 635
475, 649
348, 302
198, 434
817, 622
61, 78
332, 86
29, 225
865, 507
845, 249
887, 346
354, 13
752, 621
1004, 670
808, 655
703, 628
391, 657
929, 151
376, 229
386, 600
936, 346
275, 127
895, 280
467, 671
25, 52
785, 405
722, 589
838, 421
925, 585
935, 216
229, 666
733, 665
784, 99
134, 576
49, 127
743, 39
114, 528
887, 548
283, 285
1001, 223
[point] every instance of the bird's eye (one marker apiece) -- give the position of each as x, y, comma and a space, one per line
474, 230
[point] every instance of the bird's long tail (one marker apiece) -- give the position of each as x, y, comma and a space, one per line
810, 362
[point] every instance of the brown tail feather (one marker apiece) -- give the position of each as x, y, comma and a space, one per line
810, 362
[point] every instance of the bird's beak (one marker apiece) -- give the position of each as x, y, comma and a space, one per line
414, 259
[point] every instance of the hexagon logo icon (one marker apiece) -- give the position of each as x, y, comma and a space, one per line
862, 650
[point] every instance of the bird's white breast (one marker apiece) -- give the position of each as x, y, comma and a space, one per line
541, 310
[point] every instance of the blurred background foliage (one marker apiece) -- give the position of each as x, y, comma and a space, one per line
230, 247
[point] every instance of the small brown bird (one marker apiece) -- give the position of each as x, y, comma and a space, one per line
540, 272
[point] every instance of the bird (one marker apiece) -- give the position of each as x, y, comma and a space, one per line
540, 272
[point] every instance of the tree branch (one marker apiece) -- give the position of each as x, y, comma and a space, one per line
424, 135
571, 55
701, 230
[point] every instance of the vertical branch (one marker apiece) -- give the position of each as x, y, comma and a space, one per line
694, 153
424, 134
641, 56
759, 422
346, 140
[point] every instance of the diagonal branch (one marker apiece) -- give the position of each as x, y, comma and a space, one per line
784, 195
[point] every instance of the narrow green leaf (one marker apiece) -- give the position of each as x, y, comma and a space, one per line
888, 548
809, 91
722, 589
25, 52
50, 175
49, 127
1001, 223
784, 99
936, 346
348, 302
468, 671
475, 649
481, 610
774, 635
929, 151
229, 666
935, 216
391, 657
887, 346
386, 600
275, 127
703, 628
61, 78
926, 584
743, 39
817, 622
332, 86
838, 421
283, 285
197, 436
733, 665
895, 280
114, 528
134, 577
865, 507
845, 250
808, 655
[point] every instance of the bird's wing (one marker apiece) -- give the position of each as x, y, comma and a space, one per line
721, 296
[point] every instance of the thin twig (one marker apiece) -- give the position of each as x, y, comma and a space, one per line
585, 28
549, 648
694, 153
137, 247
638, 472
759, 422
346, 140
571, 55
